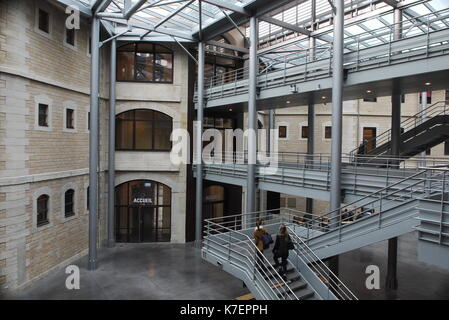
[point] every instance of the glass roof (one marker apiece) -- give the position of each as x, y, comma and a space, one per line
359, 32
180, 18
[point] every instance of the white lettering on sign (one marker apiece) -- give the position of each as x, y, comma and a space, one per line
143, 200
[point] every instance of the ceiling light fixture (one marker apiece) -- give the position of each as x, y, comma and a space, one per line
427, 83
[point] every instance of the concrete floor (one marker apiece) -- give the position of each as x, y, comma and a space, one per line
416, 280
141, 271
176, 271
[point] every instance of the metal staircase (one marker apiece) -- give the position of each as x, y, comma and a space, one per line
422, 205
228, 244
422, 131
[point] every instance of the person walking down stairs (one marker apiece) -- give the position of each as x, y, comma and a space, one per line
280, 250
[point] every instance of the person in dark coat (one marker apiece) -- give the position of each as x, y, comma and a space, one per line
280, 250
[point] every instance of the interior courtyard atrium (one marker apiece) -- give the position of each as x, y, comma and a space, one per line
176, 149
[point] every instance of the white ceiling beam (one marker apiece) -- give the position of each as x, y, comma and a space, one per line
133, 8
174, 13
285, 25
227, 46
227, 6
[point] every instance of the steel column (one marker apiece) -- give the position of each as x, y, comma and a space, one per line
111, 151
422, 119
271, 126
310, 144
199, 144
93, 143
252, 118
392, 282
337, 109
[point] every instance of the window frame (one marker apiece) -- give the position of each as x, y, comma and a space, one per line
153, 128
282, 124
324, 132
47, 211
69, 105
301, 126
72, 203
67, 44
46, 125
38, 100
36, 23
153, 52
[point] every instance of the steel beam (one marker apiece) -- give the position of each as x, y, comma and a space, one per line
93, 143
133, 8
391, 280
111, 151
286, 25
199, 145
337, 110
252, 118
227, 46
174, 13
227, 6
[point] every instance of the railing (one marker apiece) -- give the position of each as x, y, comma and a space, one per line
238, 249
309, 258
313, 171
436, 109
232, 238
303, 65
432, 182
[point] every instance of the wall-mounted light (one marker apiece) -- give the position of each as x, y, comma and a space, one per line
368, 91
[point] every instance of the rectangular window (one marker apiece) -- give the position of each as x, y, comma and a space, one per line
370, 99
89, 45
69, 118
70, 36
402, 98
43, 115
446, 148
68, 203
327, 132
304, 132
282, 131
42, 210
428, 152
44, 21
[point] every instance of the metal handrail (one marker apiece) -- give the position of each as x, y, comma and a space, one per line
288, 292
310, 258
408, 124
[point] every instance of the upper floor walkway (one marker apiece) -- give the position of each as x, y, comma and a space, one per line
371, 60
308, 176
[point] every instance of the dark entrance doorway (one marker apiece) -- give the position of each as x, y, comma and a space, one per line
143, 212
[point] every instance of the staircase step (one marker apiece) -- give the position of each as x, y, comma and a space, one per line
248, 296
304, 294
295, 286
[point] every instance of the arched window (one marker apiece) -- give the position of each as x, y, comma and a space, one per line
68, 203
144, 62
42, 210
143, 211
143, 130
